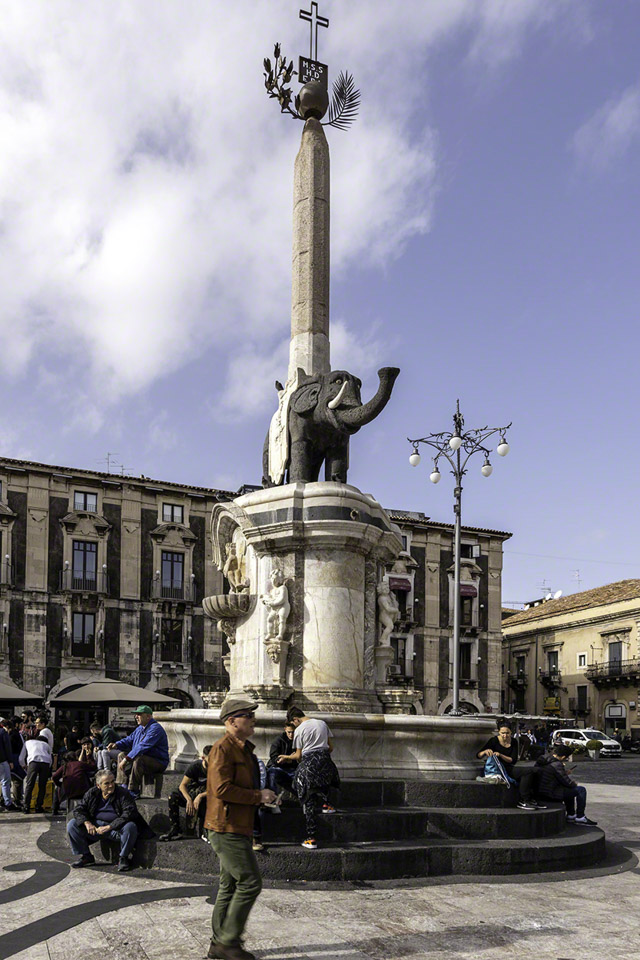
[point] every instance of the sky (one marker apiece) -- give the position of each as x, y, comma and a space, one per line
485, 239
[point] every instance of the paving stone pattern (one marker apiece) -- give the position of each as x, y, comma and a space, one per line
98, 914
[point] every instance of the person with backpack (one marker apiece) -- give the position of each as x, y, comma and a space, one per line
554, 783
504, 748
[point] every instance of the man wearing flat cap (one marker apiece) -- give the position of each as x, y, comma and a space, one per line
145, 751
233, 794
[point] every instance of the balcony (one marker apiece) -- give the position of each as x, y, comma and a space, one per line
614, 672
70, 582
6, 573
550, 678
517, 681
581, 708
173, 591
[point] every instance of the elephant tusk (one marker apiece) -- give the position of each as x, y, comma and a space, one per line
338, 399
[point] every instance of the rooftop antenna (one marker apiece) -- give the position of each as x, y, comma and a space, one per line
577, 578
125, 471
544, 587
109, 460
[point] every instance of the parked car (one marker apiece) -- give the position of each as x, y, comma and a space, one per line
610, 748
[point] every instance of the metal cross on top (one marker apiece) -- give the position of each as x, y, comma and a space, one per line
315, 21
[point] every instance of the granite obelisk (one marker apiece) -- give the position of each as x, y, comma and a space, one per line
309, 348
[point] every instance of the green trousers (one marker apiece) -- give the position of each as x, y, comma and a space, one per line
240, 886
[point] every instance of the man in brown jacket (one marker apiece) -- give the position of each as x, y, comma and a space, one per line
233, 793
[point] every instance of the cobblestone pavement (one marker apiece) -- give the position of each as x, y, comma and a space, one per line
49, 912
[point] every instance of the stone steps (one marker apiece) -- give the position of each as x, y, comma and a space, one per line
396, 823
575, 847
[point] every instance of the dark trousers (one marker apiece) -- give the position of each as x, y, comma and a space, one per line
177, 801
575, 800
525, 781
37, 770
279, 777
80, 840
240, 886
135, 773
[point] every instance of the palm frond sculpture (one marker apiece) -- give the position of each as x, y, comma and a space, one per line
345, 102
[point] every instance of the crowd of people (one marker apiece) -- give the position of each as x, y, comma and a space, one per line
226, 793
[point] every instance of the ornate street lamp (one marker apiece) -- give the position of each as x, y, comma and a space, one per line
457, 447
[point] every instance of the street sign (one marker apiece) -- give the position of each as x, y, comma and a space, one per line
313, 70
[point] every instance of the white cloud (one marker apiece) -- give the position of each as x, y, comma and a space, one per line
145, 179
612, 130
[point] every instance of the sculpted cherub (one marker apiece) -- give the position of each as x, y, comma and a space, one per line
388, 613
277, 602
234, 568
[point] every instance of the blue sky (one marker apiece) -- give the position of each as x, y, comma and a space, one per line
485, 239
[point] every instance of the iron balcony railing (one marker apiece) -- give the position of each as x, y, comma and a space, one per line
518, 679
96, 583
613, 669
163, 590
6, 573
550, 678
576, 705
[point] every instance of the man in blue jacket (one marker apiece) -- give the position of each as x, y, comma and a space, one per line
144, 751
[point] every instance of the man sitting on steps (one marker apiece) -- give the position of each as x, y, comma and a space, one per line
192, 794
145, 751
106, 810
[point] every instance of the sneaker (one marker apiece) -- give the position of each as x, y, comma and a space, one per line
309, 844
205, 839
86, 860
173, 834
526, 805
538, 805
327, 808
571, 817
585, 822
124, 865
235, 952
257, 845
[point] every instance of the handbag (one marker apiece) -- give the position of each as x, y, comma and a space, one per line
494, 768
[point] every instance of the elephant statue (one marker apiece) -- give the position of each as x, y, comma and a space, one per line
316, 416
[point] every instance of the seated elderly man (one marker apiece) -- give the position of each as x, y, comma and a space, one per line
106, 810
144, 751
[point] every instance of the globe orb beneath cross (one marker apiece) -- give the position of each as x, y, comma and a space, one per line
313, 100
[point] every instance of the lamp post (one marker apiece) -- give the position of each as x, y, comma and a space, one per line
457, 447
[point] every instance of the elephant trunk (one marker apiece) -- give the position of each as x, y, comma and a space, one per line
355, 417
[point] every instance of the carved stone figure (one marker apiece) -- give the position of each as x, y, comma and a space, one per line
388, 613
277, 602
321, 414
234, 568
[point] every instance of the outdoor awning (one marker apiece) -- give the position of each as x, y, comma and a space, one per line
468, 590
10, 694
400, 583
111, 693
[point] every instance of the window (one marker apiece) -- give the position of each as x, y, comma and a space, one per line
171, 641
552, 661
171, 513
469, 551
521, 665
520, 704
615, 651
466, 611
85, 555
172, 575
582, 660
405, 542
581, 696
465, 661
83, 640
85, 501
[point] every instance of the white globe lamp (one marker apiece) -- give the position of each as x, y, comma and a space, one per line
455, 442
435, 475
487, 469
502, 448
414, 459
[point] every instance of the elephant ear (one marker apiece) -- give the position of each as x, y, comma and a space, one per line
305, 399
